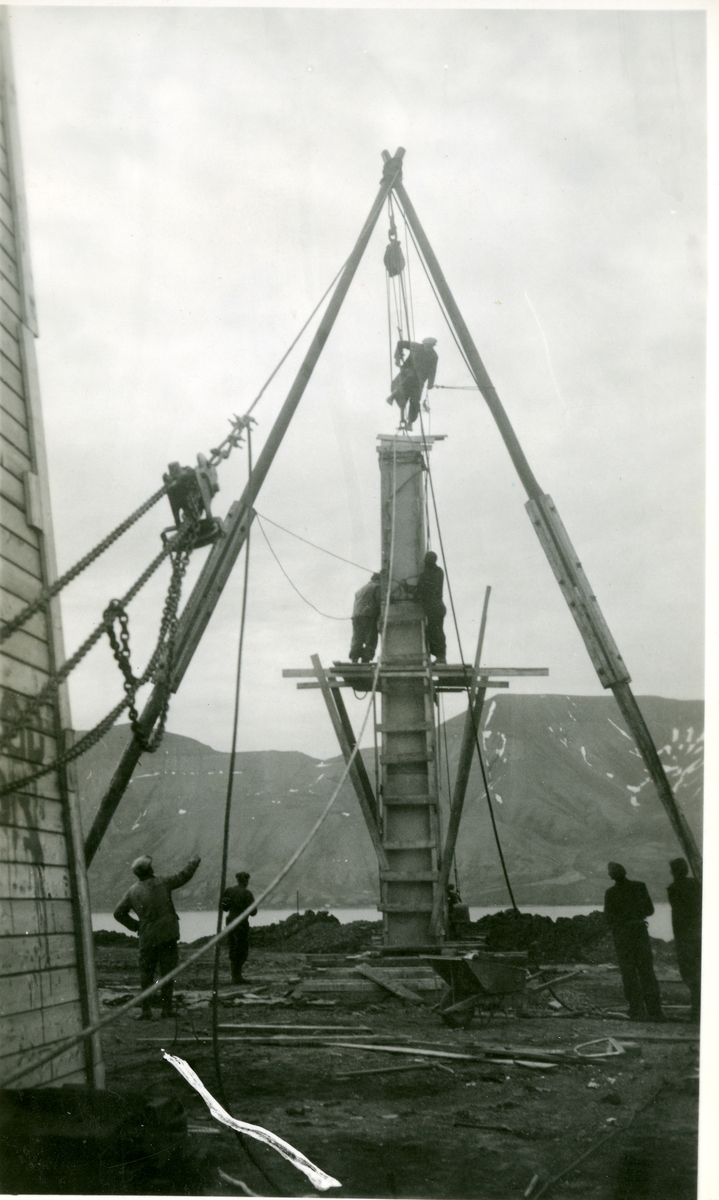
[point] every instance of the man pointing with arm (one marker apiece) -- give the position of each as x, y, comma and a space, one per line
157, 924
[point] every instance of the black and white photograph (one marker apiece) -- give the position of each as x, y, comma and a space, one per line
357, 536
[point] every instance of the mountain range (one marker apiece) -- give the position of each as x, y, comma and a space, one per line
568, 788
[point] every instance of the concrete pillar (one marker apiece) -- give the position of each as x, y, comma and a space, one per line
410, 833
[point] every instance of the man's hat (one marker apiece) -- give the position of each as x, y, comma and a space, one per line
429, 341
242, 875
616, 870
142, 865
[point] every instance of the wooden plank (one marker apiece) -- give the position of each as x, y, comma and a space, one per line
8, 267
18, 880
14, 460
19, 552
8, 339
9, 293
16, 771
407, 801
423, 845
28, 750
9, 318
36, 952
4, 181
25, 648
417, 906
21, 677
10, 429
6, 214
19, 582
61, 1020
23, 917
32, 812
68, 1067
10, 374
22, 1031
14, 518
12, 402
38, 989
412, 756
11, 487
18, 845
7, 241
390, 985
408, 877
11, 605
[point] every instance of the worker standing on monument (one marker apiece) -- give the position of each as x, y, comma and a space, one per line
157, 924
626, 906
428, 593
685, 898
236, 900
417, 368
365, 621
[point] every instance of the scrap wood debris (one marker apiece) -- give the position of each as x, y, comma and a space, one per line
316, 1176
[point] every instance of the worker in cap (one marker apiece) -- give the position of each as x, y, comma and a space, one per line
685, 898
626, 907
417, 362
365, 621
157, 924
428, 593
235, 901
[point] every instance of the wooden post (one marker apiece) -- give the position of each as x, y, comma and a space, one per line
359, 777
216, 570
561, 554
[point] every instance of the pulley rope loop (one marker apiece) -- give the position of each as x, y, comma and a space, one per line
93, 1028
313, 544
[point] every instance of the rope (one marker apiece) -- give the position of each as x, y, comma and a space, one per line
314, 544
24, 615
287, 353
292, 585
449, 590
94, 1028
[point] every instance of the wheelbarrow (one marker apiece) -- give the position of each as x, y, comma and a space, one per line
473, 982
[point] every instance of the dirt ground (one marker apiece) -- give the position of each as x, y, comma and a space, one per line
472, 1129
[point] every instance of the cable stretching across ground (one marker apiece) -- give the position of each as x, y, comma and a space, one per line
96, 1026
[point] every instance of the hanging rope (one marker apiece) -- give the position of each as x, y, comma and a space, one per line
294, 586
94, 1028
314, 544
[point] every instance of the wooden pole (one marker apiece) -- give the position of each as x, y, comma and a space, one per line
475, 698
583, 604
208, 588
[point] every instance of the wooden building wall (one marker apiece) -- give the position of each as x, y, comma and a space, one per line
47, 981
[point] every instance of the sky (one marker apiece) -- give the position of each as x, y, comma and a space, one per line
195, 179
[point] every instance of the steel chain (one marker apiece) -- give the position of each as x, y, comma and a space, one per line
45, 696
221, 452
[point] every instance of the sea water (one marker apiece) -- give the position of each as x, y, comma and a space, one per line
195, 925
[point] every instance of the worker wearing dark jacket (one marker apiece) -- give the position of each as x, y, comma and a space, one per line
235, 900
418, 368
157, 924
428, 593
365, 621
626, 907
685, 898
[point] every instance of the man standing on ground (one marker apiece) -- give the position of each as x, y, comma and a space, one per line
626, 907
236, 900
685, 897
428, 593
157, 924
365, 621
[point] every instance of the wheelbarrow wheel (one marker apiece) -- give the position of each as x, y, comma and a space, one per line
455, 1020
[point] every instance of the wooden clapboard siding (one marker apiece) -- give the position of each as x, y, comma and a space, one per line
47, 989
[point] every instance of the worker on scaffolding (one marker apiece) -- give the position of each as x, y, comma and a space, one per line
365, 621
157, 924
235, 901
417, 368
626, 907
428, 593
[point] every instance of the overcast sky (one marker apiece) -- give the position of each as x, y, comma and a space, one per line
196, 177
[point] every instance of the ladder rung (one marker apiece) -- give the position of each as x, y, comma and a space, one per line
411, 757
407, 800
414, 877
418, 907
421, 727
425, 845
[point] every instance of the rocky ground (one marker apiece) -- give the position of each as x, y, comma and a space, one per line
444, 1127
